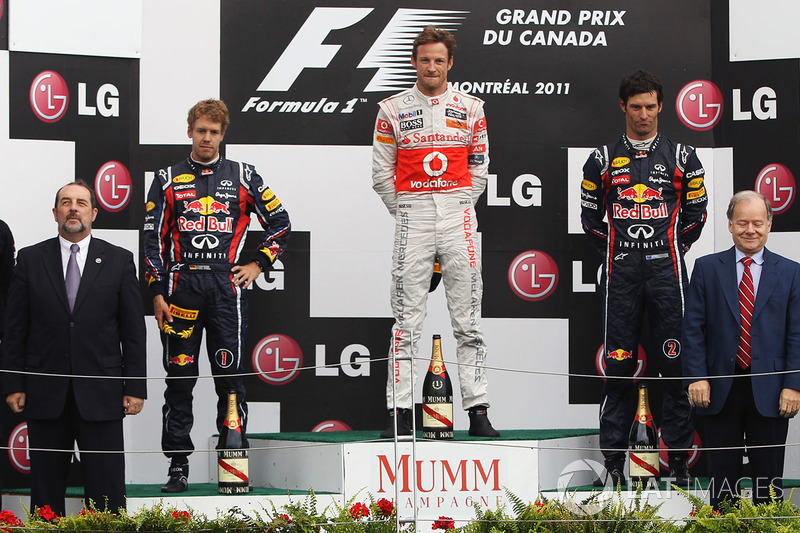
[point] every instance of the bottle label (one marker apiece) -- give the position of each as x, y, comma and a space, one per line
437, 415
233, 466
437, 367
644, 463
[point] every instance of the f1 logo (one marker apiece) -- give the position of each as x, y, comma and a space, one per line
699, 105
49, 96
777, 184
533, 275
306, 49
112, 185
277, 359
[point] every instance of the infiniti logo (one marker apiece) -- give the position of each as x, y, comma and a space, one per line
205, 241
226, 183
660, 167
640, 231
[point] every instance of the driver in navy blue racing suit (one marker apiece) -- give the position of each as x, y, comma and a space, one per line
653, 194
197, 217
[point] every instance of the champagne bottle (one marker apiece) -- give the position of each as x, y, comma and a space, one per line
643, 444
437, 397
232, 458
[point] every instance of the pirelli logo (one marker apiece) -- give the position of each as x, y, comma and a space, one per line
691, 195
384, 139
273, 204
180, 312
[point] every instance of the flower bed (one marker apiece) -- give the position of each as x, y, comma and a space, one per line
380, 516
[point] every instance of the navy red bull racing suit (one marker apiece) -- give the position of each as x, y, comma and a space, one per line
429, 166
655, 204
196, 220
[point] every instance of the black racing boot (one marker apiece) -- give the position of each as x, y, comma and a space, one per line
615, 471
679, 469
479, 425
178, 478
403, 423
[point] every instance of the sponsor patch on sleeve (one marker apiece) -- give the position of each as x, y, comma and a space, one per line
691, 195
274, 204
588, 185
149, 206
476, 159
267, 194
384, 139
695, 183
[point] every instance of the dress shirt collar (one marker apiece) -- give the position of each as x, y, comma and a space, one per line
65, 246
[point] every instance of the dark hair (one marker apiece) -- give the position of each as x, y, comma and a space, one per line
81, 183
215, 110
742, 195
640, 82
431, 34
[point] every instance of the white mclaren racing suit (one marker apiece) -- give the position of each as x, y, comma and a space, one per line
430, 157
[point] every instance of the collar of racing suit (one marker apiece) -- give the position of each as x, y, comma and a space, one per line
213, 165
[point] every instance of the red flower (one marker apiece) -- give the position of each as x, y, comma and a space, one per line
358, 510
444, 522
8, 518
181, 515
47, 513
385, 506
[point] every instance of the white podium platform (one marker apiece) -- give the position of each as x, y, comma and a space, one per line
429, 478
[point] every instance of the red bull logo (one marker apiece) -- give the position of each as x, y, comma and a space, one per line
206, 206
206, 224
640, 212
640, 193
182, 359
620, 355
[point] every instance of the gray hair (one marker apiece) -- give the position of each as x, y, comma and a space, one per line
745, 195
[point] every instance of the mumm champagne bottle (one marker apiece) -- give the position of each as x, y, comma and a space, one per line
234, 476
437, 397
642, 443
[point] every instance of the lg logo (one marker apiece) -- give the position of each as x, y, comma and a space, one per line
18, 449
777, 184
533, 275
278, 360
526, 191
49, 98
353, 362
699, 105
112, 186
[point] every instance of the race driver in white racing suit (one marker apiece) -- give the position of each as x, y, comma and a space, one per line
429, 166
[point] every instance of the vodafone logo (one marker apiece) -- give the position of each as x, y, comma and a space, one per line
277, 359
49, 96
112, 185
435, 164
600, 362
699, 105
18, 449
533, 275
331, 425
777, 184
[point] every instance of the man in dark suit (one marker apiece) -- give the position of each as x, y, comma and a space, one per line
74, 309
742, 323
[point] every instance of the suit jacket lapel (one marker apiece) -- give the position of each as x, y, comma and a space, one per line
767, 282
727, 277
95, 259
55, 270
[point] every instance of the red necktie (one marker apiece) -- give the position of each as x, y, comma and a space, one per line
747, 298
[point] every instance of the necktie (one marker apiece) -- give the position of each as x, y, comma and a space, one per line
73, 279
747, 298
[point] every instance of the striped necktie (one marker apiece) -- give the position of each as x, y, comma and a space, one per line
747, 299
